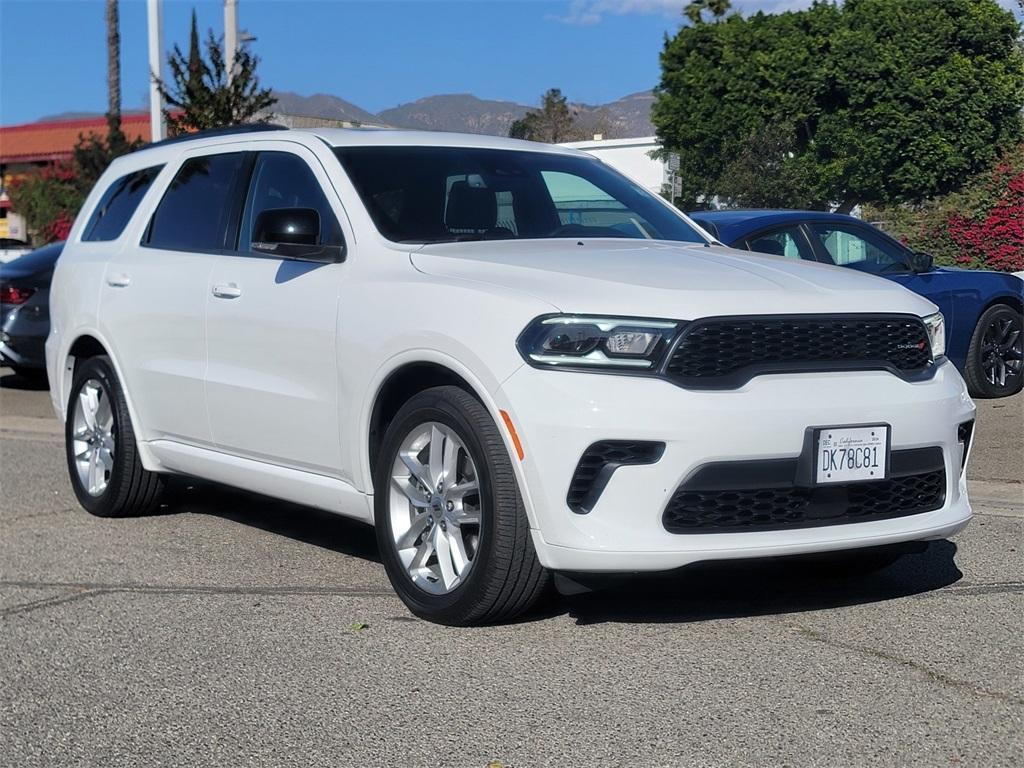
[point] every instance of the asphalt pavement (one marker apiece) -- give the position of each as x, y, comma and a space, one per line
236, 630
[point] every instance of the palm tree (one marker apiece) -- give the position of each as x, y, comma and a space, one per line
117, 144
113, 64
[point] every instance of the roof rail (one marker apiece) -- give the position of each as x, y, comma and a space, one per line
225, 131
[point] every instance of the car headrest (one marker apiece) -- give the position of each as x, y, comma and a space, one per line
473, 208
767, 245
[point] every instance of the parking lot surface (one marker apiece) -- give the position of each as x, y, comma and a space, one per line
236, 630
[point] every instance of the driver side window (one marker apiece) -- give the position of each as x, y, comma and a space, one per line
849, 247
283, 180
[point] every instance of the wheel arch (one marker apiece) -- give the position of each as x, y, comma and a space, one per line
414, 372
1014, 302
89, 343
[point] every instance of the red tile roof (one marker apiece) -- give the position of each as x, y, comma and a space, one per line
55, 139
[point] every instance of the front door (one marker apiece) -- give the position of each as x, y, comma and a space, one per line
272, 379
860, 247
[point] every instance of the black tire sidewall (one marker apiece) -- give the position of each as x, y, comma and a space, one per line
454, 607
975, 373
100, 369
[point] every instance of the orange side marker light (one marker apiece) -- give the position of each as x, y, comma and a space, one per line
512, 431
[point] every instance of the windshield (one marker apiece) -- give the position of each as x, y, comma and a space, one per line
448, 194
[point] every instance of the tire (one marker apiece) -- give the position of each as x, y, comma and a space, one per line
127, 489
501, 576
994, 365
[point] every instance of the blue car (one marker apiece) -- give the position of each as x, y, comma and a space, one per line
983, 310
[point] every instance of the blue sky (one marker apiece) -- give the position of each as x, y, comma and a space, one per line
376, 54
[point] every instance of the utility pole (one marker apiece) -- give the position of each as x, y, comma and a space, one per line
156, 112
230, 36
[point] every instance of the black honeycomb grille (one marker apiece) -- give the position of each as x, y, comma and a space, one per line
597, 464
729, 351
771, 509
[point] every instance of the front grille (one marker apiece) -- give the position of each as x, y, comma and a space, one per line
700, 507
599, 462
722, 352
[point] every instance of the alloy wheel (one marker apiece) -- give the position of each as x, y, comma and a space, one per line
94, 442
434, 507
1002, 351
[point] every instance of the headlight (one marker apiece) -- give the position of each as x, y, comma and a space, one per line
610, 343
936, 326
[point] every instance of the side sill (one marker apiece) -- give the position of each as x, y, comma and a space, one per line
326, 493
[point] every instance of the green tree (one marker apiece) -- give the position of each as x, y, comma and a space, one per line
554, 122
871, 101
200, 95
694, 11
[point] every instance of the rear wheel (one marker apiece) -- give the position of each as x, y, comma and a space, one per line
450, 522
106, 472
995, 358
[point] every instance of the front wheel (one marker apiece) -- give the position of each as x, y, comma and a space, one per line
450, 522
995, 357
104, 464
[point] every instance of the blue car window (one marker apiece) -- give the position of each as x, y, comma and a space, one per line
787, 241
860, 248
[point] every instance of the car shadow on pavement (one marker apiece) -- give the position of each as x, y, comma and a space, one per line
11, 380
301, 523
756, 588
700, 592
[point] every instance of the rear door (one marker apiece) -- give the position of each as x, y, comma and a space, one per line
153, 305
272, 383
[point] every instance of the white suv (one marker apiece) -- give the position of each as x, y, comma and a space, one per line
506, 356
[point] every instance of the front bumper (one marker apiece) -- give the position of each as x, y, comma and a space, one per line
559, 414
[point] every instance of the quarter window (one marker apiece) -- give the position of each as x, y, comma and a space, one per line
193, 214
283, 180
115, 208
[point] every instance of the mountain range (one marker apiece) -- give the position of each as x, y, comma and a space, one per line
463, 112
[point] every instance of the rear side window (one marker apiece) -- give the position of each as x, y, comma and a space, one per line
785, 241
118, 203
193, 214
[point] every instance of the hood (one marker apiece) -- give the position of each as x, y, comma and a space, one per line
662, 279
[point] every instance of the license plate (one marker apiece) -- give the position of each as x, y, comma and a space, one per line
851, 454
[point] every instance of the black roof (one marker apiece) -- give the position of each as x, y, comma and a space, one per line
225, 131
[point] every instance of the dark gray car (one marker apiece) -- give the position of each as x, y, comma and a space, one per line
25, 310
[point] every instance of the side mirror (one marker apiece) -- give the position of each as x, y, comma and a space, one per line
293, 233
922, 262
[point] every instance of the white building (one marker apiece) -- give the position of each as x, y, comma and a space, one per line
632, 157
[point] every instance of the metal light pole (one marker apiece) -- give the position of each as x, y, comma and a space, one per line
156, 114
230, 36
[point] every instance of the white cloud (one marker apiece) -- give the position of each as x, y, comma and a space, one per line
589, 12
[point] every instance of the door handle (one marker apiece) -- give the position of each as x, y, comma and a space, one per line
227, 291
119, 281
